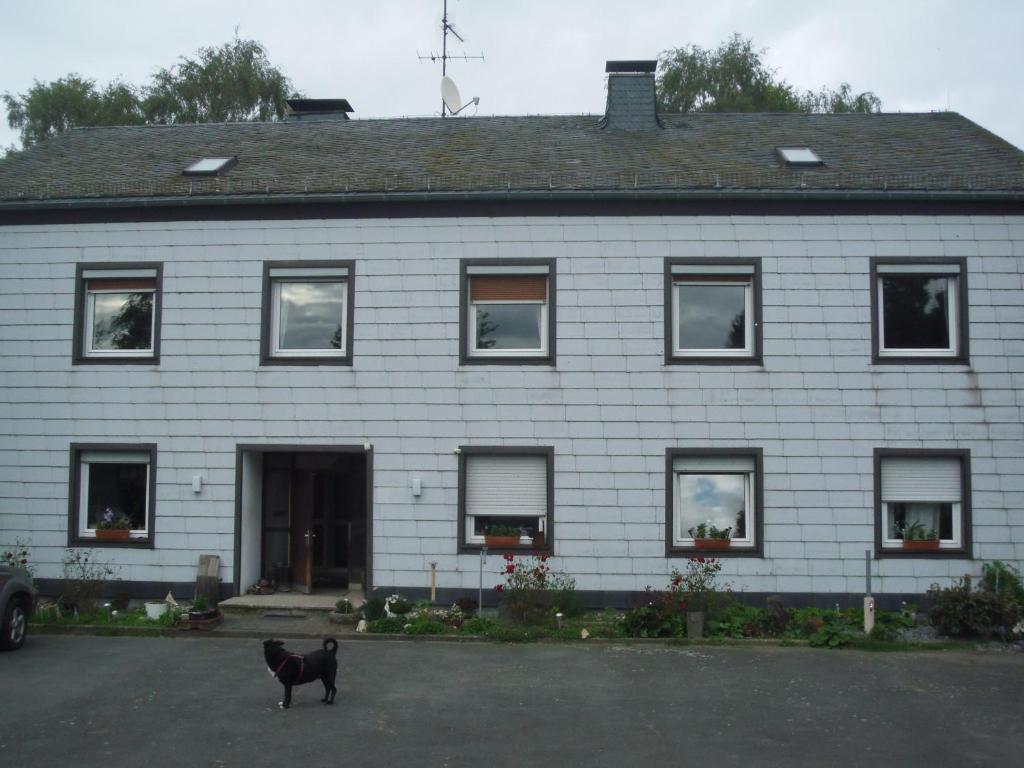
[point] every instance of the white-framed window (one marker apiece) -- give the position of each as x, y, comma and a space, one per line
918, 309
718, 490
118, 313
508, 312
713, 310
924, 493
308, 312
507, 489
113, 485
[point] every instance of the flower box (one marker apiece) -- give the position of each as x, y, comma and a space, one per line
113, 534
501, 542
920, 545
712, 543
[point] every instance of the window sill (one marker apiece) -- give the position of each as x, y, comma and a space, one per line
548, 360
677, 551
714, 360
522, 549
97, 360
938, 554
95, 543
339, 360
877, 359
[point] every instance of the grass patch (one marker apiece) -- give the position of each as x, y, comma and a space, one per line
102, 618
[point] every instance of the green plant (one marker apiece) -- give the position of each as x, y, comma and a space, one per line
708, 530
386, 626
344, 605
373, 609
501, 530
832, 636
739, 621
200, 604
396, 605
111, 520
85, 579
999, 578
659, 617
916, 531
962, 611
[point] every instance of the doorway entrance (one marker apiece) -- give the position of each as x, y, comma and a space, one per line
304, 515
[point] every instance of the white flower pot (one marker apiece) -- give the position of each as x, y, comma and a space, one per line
155, 610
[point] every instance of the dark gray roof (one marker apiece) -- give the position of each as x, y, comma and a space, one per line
692, 154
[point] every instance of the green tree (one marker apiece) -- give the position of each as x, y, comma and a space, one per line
51, 108
234, 82
734, 78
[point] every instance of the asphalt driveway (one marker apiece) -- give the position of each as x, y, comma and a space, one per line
152, 702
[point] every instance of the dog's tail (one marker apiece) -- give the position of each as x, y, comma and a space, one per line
331, 645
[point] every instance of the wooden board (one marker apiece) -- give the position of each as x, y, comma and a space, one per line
207, 578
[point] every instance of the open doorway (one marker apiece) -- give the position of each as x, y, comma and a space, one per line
304, 517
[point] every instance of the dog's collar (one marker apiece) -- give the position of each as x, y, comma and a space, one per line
302, 664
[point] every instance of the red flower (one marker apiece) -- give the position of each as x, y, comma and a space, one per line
509, 556
544, 558
510, 568
499, 588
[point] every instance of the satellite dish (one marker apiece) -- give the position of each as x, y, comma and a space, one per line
450, 95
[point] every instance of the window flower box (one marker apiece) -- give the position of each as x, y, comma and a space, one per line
113, 534
716, 544
920, 545
501, 542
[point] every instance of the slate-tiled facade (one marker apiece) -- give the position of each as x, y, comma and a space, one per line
610, 407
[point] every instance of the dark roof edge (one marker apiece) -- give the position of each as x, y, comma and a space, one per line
185, 201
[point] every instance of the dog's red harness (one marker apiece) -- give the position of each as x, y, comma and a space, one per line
302, 664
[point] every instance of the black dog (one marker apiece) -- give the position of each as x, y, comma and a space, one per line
296, 669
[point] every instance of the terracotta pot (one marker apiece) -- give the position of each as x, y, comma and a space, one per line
921, 545
113, 534
712, 543
501, 542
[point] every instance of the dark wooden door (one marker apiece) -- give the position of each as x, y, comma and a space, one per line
302, 534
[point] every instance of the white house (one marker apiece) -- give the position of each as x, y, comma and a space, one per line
336, 351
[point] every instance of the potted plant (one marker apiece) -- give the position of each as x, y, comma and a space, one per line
916, 538
201, 615
501, 536
708, 536
113, 526
396, 606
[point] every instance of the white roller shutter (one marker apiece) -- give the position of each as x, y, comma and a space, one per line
514, 486
921, 478
713, 464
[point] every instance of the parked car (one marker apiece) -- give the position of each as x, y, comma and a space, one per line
18, 598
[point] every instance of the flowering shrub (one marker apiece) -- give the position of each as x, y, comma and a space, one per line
664, 612
16, 556
84, 579
532, 592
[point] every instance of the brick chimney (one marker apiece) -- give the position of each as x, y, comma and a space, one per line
631, 102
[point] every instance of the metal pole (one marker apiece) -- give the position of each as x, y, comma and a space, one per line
480, 589
867, 570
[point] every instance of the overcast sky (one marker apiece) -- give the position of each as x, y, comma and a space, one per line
542, 56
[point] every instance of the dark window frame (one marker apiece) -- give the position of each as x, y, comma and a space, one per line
78, 356
75, 487
465, 356
962, 356
671, 358
674, 550
507, 450
964, 551
266, 312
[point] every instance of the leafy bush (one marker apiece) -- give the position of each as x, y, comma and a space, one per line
961, 611
467, 605
738, 621
657, 618
386, 626
373, 609
834, 635
1001, 579
425, 625
343, 606
533, 593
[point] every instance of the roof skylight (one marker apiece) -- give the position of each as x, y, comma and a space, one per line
210, 166
798, 156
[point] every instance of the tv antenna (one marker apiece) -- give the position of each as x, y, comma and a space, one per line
451, 102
